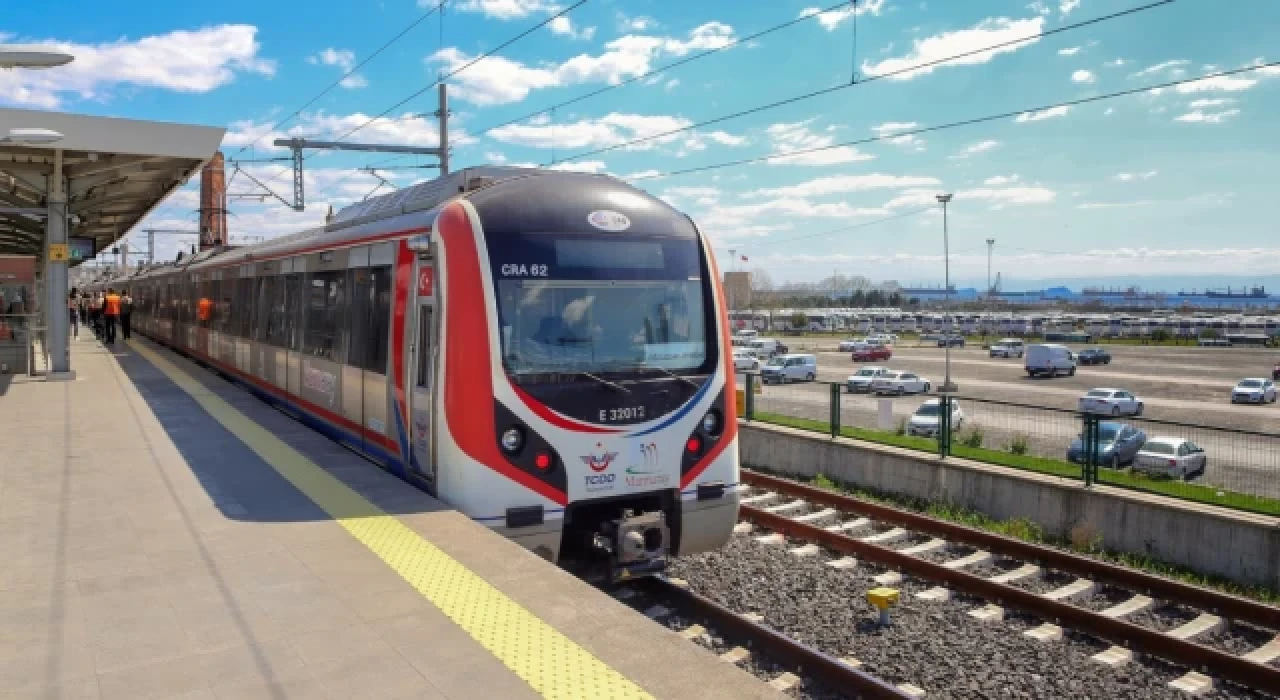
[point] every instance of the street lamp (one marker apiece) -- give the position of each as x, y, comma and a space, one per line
33, 58
947, 386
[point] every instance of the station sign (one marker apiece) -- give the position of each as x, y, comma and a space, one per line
59, 252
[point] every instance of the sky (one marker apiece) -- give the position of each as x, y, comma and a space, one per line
1171, 182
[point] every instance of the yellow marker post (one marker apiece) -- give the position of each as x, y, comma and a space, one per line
551, 663
882, 599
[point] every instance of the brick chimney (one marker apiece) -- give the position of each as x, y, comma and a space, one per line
213, 203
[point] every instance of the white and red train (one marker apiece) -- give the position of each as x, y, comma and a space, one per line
547, 352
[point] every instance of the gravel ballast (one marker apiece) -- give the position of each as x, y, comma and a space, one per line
936, 646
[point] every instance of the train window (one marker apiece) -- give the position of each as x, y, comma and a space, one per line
424, 348
292, 298
243, 305
275, 329
370, 317
325, 333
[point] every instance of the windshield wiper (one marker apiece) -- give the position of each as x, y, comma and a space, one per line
612, 385
673, 375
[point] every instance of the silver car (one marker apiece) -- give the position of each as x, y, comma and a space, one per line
1254, 391
1172, 457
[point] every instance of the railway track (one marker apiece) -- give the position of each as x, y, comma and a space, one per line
672, 602
1066, 594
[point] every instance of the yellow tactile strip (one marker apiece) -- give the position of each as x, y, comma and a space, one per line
552, 664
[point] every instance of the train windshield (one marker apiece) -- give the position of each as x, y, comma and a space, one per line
602, 326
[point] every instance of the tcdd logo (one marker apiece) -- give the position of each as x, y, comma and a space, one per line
600, 463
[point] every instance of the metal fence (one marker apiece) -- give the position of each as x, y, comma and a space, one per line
1240, 468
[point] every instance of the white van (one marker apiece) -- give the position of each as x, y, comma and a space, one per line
1050, 360
1007, 347
789, 368
746, 334
767, 347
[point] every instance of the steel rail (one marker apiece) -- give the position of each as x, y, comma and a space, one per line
1195, 656
1224, 604
831, 671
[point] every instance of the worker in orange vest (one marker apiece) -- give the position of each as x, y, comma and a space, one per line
111, 314
204, 311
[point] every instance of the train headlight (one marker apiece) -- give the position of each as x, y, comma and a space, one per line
711, 423
512, 440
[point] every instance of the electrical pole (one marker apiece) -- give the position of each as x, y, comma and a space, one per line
443, 115
947, 386
990, 244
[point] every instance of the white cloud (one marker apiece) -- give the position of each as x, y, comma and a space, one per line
1069, 51
581, 166
1083, 76
495, 158
1116, 63
611, 130
1174, 68
941, 46
1050, 113
499, 9
1130, 177
974, 149
671, 84
636, 24
345, 60
1199, 117
834, 18
408, 129
1220, 83
911, 141
1008, 195
1211, 102
1109, 111
1114, 205
563, 26
844, 184
1066, 6
797, 136
195, 61
1039, 7
728, 217
1000, 180
498, 80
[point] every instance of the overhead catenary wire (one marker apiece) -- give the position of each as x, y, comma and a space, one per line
782, 155
387, 44
881, 76
668, 66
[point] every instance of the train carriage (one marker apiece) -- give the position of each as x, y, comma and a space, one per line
547, 352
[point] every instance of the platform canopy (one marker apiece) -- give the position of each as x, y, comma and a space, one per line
117, 170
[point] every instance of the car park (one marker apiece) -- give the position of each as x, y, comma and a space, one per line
849, 344
1050, 360
860, 381
1007, 347
1118, 444
1093, 356
789, 368
927, 417
1171, 456
871, 353
1110, 402
745, 361
767, 347
952, 340
899, 383
1254, 391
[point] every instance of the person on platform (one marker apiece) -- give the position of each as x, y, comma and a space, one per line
110, 315
73, 308
95, 314
126, 314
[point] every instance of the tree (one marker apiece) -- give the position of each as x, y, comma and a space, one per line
1209, 333
799, 320
1160, 335
761, 281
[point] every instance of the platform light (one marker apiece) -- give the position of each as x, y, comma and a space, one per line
33, 58
31, 137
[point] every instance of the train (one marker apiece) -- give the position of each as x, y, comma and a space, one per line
547, 352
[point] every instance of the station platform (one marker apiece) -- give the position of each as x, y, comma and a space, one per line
165, 534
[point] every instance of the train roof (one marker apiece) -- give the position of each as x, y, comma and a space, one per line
542, 204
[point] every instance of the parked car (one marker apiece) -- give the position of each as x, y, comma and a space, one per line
1007, 347
1118, 443
850, 344
768, 347
1050, 360
745, 361
1111, 402
871, 353
899, 383
952, 340
1171, 456
1093, 356
860, 381
789, 368
1254, 391
926, 418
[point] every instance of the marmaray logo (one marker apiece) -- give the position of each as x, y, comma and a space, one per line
601, 463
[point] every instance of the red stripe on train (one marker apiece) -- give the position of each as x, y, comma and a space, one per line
731, 402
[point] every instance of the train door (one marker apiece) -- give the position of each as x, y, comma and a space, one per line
423, 352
